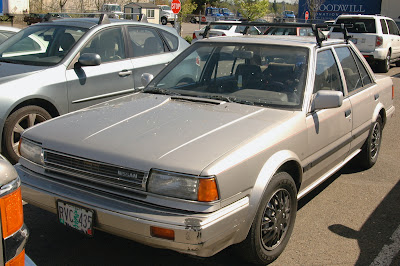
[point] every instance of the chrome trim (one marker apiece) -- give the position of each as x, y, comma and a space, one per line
10, 187
14, 244
104, 96
103, 174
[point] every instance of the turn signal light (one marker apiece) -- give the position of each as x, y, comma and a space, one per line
18, 260
392, 92
12, 217
162, 233
207, 190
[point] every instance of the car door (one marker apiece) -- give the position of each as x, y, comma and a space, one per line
329, 130
88, 85
362, 100
395, 38
150, 54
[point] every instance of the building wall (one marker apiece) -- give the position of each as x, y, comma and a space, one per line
391, 8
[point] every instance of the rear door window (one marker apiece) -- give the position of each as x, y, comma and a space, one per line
350, 70
393, 30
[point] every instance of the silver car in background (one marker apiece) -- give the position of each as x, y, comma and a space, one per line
217, 156
53, 68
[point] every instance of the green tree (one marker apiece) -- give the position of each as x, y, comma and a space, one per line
187, 7
252, 9
274, 7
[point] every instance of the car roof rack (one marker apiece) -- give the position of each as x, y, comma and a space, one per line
104, 19
320, 37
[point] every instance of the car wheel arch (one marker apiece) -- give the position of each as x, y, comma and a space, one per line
282, 161
47, 105
379, 111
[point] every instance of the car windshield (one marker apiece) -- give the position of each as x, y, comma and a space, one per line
360, 25
263, 75
43, 45
166, 8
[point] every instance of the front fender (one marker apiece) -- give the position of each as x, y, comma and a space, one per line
268, 170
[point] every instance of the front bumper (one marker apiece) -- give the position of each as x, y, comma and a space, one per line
199, 234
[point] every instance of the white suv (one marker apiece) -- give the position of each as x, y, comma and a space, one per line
377, 38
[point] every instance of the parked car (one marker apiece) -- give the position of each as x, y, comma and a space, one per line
6, 32
33, 18
53, 68
196, 163
225, 29
297, 31
14, 234
377, 37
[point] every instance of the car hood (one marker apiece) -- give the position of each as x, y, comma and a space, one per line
10, 71
144, 131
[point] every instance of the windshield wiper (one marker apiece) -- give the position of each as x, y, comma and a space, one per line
219, 97
160, 91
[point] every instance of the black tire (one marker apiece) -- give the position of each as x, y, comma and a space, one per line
25, 117
384, 65
164, 21
273, 223
370, 150
398, 63
193, 20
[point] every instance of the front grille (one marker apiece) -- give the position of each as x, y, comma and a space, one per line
100, 176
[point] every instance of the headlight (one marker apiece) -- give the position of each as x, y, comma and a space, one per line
183, 186
31, 151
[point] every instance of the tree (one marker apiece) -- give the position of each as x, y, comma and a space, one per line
252, 9
187, 7
62, 4
313, 6
275, 7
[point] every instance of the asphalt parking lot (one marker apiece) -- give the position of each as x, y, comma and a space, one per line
351, 219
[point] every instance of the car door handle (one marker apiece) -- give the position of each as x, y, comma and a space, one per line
125, 73
347, 113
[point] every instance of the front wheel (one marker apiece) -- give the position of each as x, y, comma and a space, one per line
273, 223
164, 21
16, 123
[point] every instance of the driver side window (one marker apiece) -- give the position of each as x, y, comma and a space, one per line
327, 74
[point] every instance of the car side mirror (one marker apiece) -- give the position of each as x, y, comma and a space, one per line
325, 99
89, 59
146, 78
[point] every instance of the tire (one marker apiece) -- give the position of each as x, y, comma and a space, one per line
193, 20
164, 21
384, 65
370, 150
273, 223
398, 63
16, 123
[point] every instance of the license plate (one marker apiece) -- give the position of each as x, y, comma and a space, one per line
353, 40
76, 217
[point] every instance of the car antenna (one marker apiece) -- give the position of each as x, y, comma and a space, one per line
104, 19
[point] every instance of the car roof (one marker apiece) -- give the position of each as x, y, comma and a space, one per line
91, 22
363, 16
288, 40
7, 28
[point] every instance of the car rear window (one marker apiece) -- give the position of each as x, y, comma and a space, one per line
360, 25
